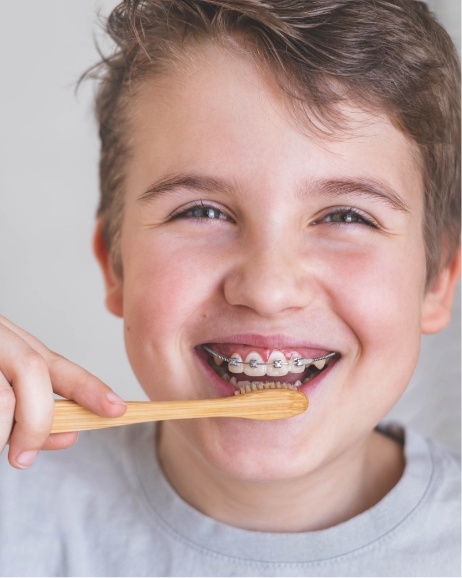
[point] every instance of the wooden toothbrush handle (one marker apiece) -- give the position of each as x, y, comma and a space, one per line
69, 416
263, 405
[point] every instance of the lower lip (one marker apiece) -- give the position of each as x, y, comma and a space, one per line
225, 389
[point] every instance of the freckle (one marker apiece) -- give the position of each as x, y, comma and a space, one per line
128, 328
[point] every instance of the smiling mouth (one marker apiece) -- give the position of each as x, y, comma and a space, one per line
278, 370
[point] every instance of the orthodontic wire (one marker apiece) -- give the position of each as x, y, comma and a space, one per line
253, 363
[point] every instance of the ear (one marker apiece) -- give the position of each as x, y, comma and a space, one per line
113, 283
436, 311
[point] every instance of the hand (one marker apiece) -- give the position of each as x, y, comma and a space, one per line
29, 375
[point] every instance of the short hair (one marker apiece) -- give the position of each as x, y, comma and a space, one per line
389, 56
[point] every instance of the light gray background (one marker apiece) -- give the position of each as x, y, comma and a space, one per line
49, 281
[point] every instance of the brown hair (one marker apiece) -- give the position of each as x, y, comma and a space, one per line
386, 55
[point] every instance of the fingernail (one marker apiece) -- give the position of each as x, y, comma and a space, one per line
26, 459
114, 398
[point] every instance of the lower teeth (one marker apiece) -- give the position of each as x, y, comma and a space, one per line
240, 384
244, 383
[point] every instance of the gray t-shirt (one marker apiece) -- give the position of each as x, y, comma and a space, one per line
104, 508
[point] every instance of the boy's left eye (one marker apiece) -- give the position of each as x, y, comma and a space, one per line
346, 216
200, 211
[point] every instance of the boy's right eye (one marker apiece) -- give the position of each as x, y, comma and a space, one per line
200, 211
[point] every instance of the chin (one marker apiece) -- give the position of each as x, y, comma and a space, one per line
256, 451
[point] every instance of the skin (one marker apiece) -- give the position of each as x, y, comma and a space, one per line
274, 267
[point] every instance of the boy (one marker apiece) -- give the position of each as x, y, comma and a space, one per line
279, 181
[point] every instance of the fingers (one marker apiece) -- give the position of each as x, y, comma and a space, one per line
29, 375
73, 382
60, 441
26, 373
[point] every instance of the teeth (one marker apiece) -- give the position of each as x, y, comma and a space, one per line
278, 364
237, 366
233, 381
296, 364
217, 360
320, 364
253, 359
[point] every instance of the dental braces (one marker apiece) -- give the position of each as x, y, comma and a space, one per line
277, 363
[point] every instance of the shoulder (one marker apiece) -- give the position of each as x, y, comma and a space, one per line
423, 509
434, 476
47, 508
427, 455
92, 458
445, 485
431, 466
100, 466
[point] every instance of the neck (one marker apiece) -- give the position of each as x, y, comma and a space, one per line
332, 494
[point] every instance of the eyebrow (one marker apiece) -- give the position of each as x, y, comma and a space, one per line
332, 188
370, 188
193, 182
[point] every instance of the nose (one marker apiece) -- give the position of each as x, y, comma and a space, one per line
271, 280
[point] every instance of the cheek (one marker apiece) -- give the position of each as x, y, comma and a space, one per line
162, 301
165, 289
379, 296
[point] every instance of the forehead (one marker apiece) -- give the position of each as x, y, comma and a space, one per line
217, 107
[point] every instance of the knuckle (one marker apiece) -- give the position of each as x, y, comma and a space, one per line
32, 362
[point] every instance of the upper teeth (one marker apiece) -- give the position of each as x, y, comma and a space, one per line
236, 365
255, 365
320, 363
277, 364
297, 364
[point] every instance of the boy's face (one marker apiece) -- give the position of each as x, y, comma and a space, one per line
265, 238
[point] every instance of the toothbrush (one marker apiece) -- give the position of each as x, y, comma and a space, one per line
266, 401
